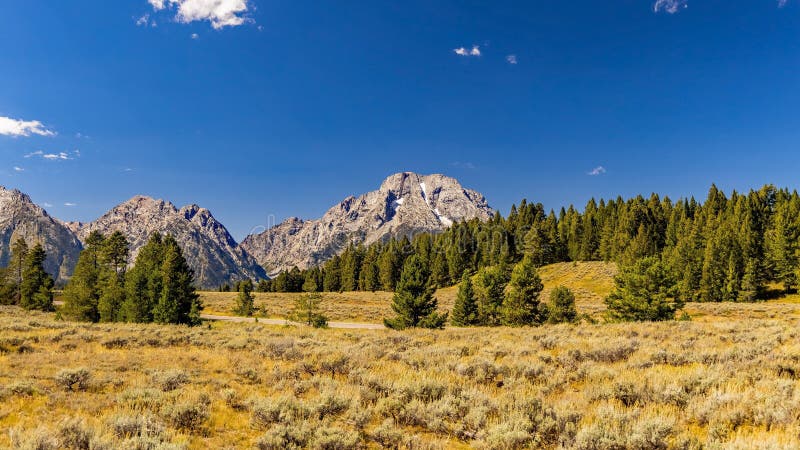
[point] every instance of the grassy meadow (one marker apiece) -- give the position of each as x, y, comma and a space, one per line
590, 281
726, 379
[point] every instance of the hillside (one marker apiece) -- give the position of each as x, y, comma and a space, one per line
590, 281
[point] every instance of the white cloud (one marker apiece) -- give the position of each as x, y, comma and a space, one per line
47, 205
599, 170
512, 59
463, 165
221, 13
782, 3
18, 169
462, 51
195, 36
60, 156
14, 127
70, 204
670, 6
143, 21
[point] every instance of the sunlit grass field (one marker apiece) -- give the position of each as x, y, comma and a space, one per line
726, 379
590, 281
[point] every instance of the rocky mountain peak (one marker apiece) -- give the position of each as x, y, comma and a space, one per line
207, 245
21, 218
405, 203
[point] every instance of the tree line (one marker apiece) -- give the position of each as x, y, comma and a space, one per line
728, 248
158, 288
24, 282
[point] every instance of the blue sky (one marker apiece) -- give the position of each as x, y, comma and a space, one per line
259, 108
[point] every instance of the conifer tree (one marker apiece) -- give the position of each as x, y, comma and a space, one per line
521, 303
490, 288
388, 263
465, 310
244, 300
332, 279
561, 308
82, 293
307, 307
19, 252
36, 289
643, 292
178, 302
413, 300
143, 283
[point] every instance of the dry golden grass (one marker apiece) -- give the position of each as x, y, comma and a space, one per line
590, 281
726, 380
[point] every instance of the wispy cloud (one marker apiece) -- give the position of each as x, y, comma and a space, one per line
195, 36
782, 3
599, 170
463, 51
60, 156
17, 128
18, 169
47, 205
70, 204
220, 13
463, 165
670, 6
512, 59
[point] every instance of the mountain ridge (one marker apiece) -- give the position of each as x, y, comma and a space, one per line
406, 203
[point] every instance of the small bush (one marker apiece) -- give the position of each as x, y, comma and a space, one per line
285, 437
187, 415
328, 438
73, 379
125, 427
171, 379
74, 434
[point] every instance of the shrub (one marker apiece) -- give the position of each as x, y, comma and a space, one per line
73, 379
187, 415
124, 427
285, 437
171, 379
282, 410
75, 435
142, 399
328, 438
39, 439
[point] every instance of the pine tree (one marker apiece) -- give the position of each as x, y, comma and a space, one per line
144, 282
36, 289
82, 293
19, 252
332, 280
413, 300
178, 302
307, 307
388, 263
561, 308
490, 288
465, 310
245, 300
521, 303
643, 292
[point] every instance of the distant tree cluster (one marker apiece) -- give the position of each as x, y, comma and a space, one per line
24, 282
726, 249
511, 296
158, 288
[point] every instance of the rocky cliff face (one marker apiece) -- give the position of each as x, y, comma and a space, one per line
208, 247
405, 204
20, 217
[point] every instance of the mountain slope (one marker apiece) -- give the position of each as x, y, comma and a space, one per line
20, 217
405, 204
209, 249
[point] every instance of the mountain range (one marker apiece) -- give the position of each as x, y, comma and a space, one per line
405, 204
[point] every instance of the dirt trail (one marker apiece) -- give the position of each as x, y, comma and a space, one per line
349, 325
